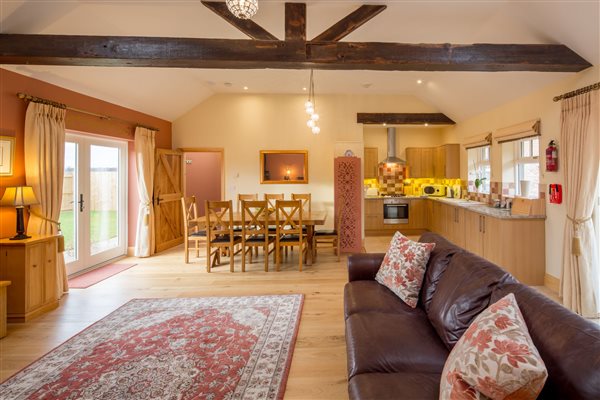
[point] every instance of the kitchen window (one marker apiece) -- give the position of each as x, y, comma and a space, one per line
527, 166
479, 167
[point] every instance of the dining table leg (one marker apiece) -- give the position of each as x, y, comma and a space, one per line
310, 232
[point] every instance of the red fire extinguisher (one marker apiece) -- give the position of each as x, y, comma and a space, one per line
552, 157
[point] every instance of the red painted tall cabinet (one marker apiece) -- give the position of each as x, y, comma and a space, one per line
348, 190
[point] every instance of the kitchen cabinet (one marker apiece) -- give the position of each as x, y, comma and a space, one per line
417, 214
371, 162
374, 214
30, 265
434, 162
455, 225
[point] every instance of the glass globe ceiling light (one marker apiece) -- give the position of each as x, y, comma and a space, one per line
242, 9
310, 107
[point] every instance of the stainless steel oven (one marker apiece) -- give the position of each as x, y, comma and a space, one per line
395, 211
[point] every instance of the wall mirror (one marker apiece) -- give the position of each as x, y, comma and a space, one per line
283, 166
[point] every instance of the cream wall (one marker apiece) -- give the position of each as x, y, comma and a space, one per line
532, 106
406, 136
243, 124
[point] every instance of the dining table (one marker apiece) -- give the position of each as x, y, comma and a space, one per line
309, 220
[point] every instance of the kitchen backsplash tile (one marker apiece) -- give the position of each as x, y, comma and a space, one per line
390, 178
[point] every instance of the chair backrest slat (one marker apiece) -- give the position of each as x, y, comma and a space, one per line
190, 213
272, 198
219, 218
255, 219
305, 198
241, 197
288, 216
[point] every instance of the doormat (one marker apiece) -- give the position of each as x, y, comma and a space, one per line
91, 278
183, 348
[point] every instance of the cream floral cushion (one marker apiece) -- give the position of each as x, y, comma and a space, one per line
403, 268
495, 358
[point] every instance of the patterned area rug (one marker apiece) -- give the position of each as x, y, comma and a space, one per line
186, 348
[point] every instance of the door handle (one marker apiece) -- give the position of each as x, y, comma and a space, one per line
480, 223
80, 202
483, 219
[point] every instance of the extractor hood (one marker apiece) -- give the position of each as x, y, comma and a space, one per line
391, 148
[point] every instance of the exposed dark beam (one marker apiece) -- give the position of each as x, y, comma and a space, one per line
127, 51
403, 118
249, 27
295, 21
349, 23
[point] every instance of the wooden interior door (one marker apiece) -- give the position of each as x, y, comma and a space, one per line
168, 189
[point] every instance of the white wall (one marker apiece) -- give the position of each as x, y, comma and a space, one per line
535, 105
243, 124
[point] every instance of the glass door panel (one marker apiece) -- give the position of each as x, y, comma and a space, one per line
93, 215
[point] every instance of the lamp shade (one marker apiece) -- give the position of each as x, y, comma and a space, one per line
18, 196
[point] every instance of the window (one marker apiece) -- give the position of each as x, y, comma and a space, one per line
527, 166
479, 167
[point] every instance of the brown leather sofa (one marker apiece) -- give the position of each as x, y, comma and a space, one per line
396, 352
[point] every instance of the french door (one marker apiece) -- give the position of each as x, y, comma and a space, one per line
93, 214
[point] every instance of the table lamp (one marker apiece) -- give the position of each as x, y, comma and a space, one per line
19, 197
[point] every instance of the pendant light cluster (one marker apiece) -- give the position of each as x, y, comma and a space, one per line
310, 106
242, 9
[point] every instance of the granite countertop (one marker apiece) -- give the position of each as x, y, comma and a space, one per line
403, 197
483, 208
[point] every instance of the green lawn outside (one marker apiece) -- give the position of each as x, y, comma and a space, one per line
99, 219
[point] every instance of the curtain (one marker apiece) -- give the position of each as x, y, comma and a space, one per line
144, 156
44, 170
580, 131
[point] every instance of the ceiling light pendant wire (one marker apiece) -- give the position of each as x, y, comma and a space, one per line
242, 9
311, 106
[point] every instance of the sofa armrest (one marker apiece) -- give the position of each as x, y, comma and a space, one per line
363, 267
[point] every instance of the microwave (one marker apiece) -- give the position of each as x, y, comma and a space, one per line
434, 190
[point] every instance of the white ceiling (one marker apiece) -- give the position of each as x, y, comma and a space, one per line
169, 93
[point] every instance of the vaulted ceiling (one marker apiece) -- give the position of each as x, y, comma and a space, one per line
170, 92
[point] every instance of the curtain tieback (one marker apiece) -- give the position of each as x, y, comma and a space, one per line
576, 241
61, 238
148, 206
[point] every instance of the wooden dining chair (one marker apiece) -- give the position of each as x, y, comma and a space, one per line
255, 230
242, 197
305, 199
330, 238
288, 217
272, 199
220, 235
192, 230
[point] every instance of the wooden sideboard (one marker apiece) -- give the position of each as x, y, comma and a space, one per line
30, 265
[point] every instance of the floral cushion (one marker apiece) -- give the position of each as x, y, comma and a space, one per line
495, 358
403, 268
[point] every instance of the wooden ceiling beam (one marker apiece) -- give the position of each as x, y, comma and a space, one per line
349, 23
403, 119
295, 21
129, 51
249, 27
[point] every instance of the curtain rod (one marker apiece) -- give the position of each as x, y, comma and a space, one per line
577, 92
27, 97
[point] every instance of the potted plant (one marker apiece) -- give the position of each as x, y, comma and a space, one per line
478, 178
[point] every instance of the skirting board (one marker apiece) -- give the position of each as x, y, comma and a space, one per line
552, 283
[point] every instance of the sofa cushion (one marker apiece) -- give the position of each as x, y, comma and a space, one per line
436, 266
399, 385
403, 268
568, 344
361, 296
462, 293
383, 342
495, 357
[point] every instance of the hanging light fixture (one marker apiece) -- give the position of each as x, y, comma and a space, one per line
310, 107
242, 9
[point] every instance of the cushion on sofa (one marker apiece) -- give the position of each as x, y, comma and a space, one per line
495, 357
380, 342
436, 266
462, 293
403, 268
399, 385
365, 296
568, 344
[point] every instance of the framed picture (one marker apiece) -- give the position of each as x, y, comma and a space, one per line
7, 155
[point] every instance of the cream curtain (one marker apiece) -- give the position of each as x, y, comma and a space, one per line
44, 170
580, 131
144, 155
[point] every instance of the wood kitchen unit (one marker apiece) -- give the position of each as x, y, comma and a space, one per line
478, 228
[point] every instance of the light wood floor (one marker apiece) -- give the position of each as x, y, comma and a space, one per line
318, 369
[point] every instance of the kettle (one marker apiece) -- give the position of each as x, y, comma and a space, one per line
449, 192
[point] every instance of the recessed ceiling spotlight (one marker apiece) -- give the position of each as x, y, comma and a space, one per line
419, 81
304, 89
228, 84
367, 85
245, 87
426, 124
384, 124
